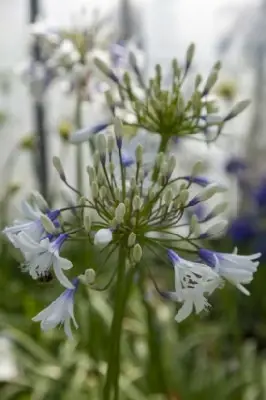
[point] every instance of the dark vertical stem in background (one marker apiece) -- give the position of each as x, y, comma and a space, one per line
130, 22
40, 156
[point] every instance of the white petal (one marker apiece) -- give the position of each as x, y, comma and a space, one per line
61, 276
28, 211
70, 311
67, 328
200, 303
24, 242
185, 310
81, 136
64, 263
243, 289
103, 236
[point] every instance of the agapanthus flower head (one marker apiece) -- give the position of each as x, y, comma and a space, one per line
166, 110
60, 312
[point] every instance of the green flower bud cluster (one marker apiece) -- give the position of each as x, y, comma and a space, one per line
166, 109
136, 208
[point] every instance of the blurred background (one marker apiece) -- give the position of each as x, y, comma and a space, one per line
217, 356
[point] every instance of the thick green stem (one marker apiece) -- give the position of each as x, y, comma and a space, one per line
79, 150
162, 148
123, 283
155, 369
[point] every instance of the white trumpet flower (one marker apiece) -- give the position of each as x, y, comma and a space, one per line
60, 312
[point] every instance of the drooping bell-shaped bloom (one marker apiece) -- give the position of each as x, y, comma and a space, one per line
41, 256
237, 269
60, 311
85, 134
32, 224
193, 281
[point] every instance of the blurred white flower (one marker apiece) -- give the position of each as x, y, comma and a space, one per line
60, 312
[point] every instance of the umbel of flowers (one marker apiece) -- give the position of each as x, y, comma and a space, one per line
163, 105
139, 207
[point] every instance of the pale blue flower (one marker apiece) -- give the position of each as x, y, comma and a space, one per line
41, 256
235, 268
32, 225
85, 134
193, 281
60, 311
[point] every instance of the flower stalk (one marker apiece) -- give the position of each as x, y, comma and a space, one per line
122, 288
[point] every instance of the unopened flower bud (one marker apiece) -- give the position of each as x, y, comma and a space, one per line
183, 196
59, 167
139, 154
131, 239
40, 201
120, 212
118, 128
90, 276
103, 192
133, 183
197, 168
211, 190
106, 70
94, 189
198, 81
137, 253
207, 192
164, 169
92, 174
211, 80
110, 143
217, 229
96, 158
101, 179
101, 143
47, 224
103, 237
109, 99
237, 109
136, 203
219, 209
194, 227
190, 55
171, 164
151, 194
168, 197
118, 194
